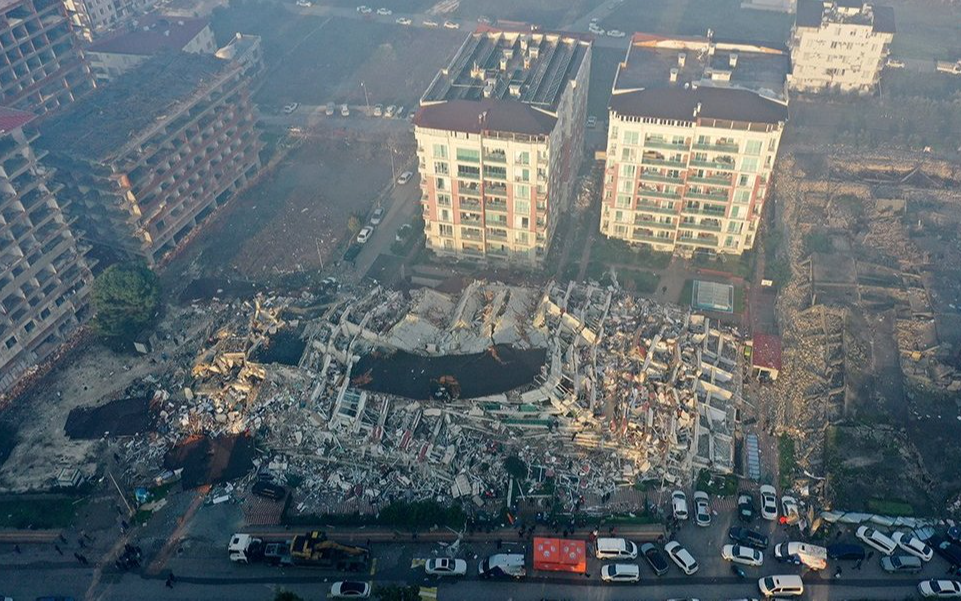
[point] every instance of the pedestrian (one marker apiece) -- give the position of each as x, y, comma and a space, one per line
59, 550
63, 539
170, 581
81, 543
610, 531
870, 555
837, 572
499, 543
83, 559
857, 566
77, 557
16, 549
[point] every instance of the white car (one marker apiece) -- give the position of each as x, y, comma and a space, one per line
329, 109
290, 108
451, 25
404, 177
445, 567
390, 111
768, 502
682, 557
940, 589
378, 110
377, 216
595, 29
431, 23
616, 33
348, 589
876, 539
895, 63
789, 509
702, 509
679, 505
364, 235
304, 3
591, 121
743, 555
483, 20
620, 572
913, 545
403, 21
384, 12
364, 9
344, 110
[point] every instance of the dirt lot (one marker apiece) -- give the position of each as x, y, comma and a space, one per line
694, 17
927, 29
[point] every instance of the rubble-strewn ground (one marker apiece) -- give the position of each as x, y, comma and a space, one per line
871, 379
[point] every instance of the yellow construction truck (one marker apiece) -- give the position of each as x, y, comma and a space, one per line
312, 549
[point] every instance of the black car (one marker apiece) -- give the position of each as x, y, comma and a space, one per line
954, 533
269, 490
655, 558
847, 551
746, 537
947, 549
746, 510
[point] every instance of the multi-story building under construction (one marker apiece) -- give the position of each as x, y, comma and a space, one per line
92, 18
499, 142
695, 124
152, 154
44, 280
41, 67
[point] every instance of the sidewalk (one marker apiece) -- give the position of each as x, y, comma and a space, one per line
636, 532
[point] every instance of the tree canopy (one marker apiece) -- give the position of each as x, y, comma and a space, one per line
126, 298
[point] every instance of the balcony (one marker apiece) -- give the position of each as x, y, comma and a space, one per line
654, 224
495, 157
716, 197
640, 237
659, 194
717, 147
469, 204
659, 177
468, 188
471, 234
664, 145
497, 252
705, 241
494, 188
723, 166
711, 180
662, 162
496, 205
497, 234
705, 210
495, 220
705, 225
653, 208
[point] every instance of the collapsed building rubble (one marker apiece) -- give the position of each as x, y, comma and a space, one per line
631, 390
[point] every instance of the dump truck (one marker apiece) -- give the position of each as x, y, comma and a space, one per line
312, 549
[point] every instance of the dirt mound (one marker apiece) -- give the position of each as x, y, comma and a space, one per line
123, 417
208, 460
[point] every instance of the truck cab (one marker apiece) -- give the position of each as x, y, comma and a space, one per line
244, 548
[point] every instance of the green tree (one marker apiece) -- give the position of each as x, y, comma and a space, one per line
126, 298
398, 593
354, 224
287, 596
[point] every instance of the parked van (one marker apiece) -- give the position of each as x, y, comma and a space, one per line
876, 539
783, 586
812, 556
615, 548
503, 564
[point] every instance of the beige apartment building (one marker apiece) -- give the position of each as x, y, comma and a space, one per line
694, 130
124, 50
500, 136
44, 281
91, 18
839, 45
150, 156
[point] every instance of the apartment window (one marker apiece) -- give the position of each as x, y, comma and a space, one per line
522, 207
445, 215
628, 171
745, 180
440, 183
749, 164
729, 242
623, 201
446, 230
629, 155
468, 155
523, 238
468, 171
443, 200
753, 148
626, 186
735, 212
523, 175
614, 132
441, 168
521, 192
11, 342
522, 157
677, 140
440, 151
632, 137
742, 196
620, 230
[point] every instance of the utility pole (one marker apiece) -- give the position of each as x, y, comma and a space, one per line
393, 173
319, 255
366, 99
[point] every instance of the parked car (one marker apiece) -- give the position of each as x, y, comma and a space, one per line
290, 108
654, 558
384, 12
679, 505
747, 537
304, 3
451, 25
364, 235
781, 586
954, 533
620, 572
431, 23
377, 216
389, 112
940, 589
846, 551
344, 110
742, 554
702, 509
364, 9
616, 33
895, 63
790, 513
378, 110
745, 507
348, 589
403, 21
443, 566
329, 110
913, 545
591, 121
404, 177
947, 549
768, 502
876, 539
269, 490
615, 548
682, 557
898, 564
400, 111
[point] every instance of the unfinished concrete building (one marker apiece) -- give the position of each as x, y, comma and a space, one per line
499, 140
44, 280
151, 35
42, 66
840, 45
695, 125
91, 18
155, 152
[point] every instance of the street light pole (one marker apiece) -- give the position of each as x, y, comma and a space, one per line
366, 99
393, 173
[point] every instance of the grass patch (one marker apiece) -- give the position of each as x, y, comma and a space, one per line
419, 514
786, 461
739, 300
717, 485
40, 513
626, 518
687, 294
890, 507
739, 265
818, 242
609, 251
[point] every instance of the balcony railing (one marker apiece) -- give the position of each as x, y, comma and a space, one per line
659, 194
493, 205
711, 180
492, 188
706, 196
659, 177
703, 226
713, 165
664, 145
653, 208
471, 235
654, 224
717, 147
662, 162
708, 210
495, 157
469, 204
654, 239
709, 241
498, 234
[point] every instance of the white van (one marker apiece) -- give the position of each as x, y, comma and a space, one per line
782, 586
876, 539
615, 548
812, 556
503, 564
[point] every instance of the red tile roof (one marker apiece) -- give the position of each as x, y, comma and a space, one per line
151, 35
475, 116
11, 119
767, 352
